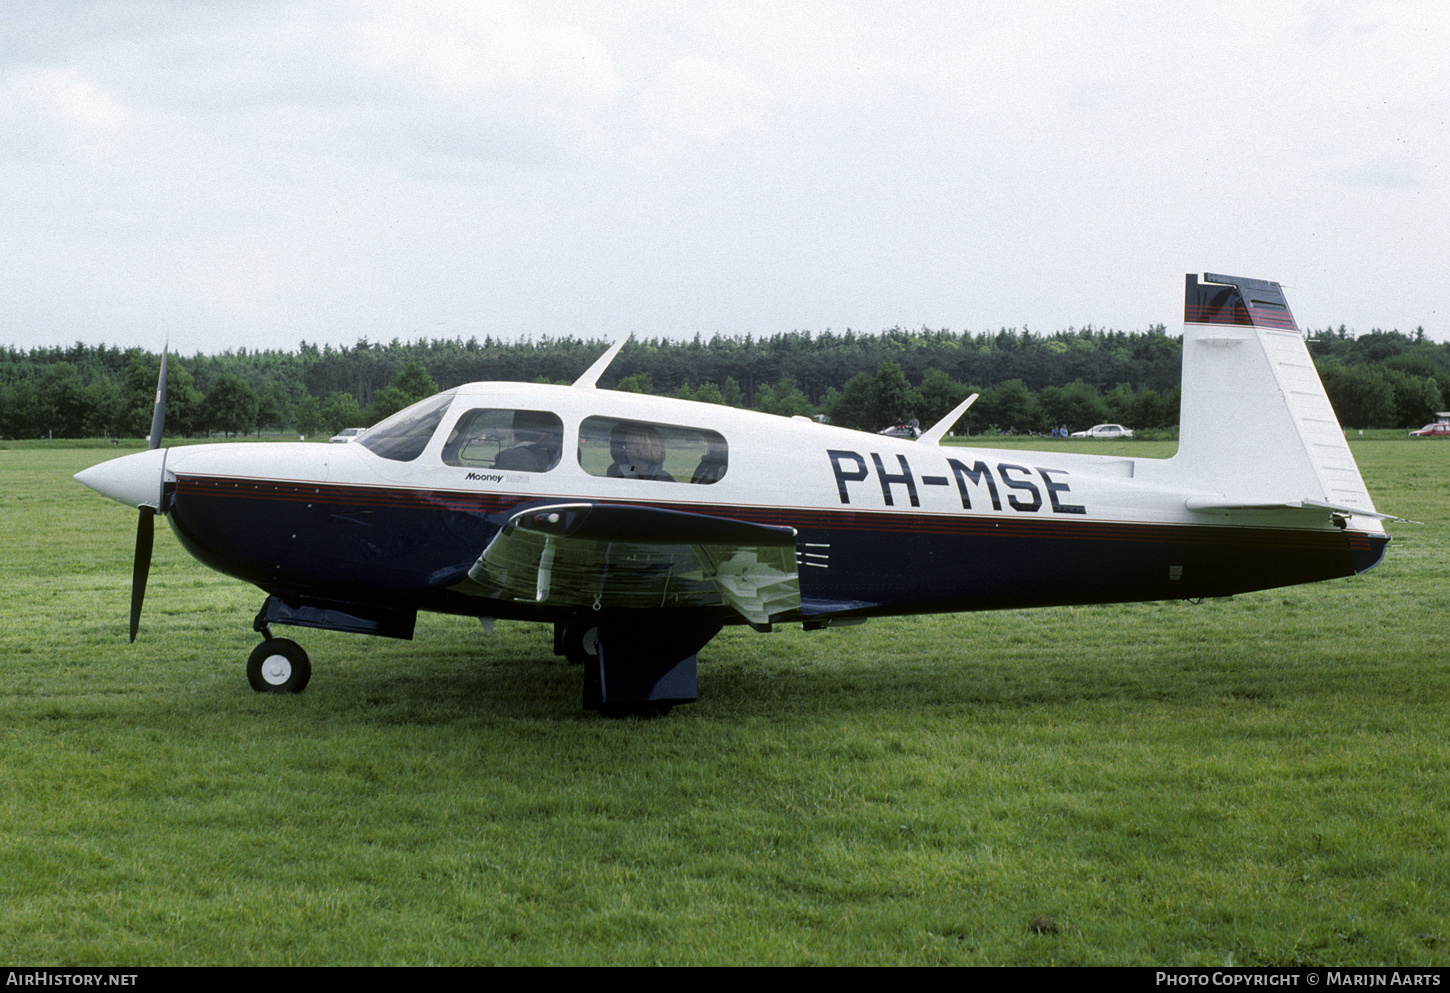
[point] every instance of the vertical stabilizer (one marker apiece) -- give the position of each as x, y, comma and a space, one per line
1256, 426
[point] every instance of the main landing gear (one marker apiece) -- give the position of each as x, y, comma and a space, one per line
637, 663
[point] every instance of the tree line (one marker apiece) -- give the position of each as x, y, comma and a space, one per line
1028, 382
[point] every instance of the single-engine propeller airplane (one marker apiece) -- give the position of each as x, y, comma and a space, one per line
640, 525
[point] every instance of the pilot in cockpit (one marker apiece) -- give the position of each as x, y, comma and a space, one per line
537, 442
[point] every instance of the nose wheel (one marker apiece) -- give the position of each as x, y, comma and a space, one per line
279, 665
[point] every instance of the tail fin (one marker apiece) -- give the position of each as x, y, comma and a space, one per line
1256, 428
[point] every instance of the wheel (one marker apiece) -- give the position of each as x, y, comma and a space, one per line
581, 642
279, 665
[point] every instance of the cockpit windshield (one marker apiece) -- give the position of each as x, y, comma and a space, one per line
403, 436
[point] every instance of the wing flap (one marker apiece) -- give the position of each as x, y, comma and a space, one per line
608, 556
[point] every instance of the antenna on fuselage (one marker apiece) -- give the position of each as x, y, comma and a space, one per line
592, 374
933, 435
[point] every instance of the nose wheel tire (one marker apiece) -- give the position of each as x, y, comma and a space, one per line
279, 665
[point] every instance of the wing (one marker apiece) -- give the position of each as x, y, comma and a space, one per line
610, 556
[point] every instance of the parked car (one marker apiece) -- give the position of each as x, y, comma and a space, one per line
1440, 429
346, 434
1104, 431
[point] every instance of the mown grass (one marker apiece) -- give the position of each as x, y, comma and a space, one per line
1255, 780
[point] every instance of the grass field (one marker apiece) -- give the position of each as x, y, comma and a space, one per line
1259, 780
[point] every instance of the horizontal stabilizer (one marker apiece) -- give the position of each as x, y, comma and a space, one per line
1219, 504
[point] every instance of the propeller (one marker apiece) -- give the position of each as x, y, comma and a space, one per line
141, 567
146, 522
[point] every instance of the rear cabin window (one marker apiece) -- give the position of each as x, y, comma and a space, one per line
610, 446
515, 440
403, 436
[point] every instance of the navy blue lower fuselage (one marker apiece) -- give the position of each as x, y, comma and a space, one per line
399, 548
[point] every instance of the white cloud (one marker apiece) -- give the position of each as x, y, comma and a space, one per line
329, 169
54, 110
701, 99
484, 80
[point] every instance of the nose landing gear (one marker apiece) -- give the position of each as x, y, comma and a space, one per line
279, 665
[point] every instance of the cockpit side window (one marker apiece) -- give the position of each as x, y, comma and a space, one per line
403, 436
671, 453
516, 440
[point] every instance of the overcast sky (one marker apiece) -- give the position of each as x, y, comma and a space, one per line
255, 174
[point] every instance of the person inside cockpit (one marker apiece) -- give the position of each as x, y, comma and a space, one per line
537, 440
638, 452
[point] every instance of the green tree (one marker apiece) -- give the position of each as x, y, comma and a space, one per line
386, 404
638, 383
105, 408
183, 400
784, 398
891, 397
850, 408
1121, 401
870, 403
307, 416
60, 402
414, 382
340, 411
17, 410
274, 409
1077, 405
709, 393
1417, 398
731, 394
1360, 395
1151, 410
937, 395
230, 407
411, 384
1009, 407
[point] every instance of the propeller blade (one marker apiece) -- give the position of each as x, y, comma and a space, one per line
158, 412
141, 568
146, 522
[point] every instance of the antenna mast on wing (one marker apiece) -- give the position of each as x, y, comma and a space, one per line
933, 435
592, 374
